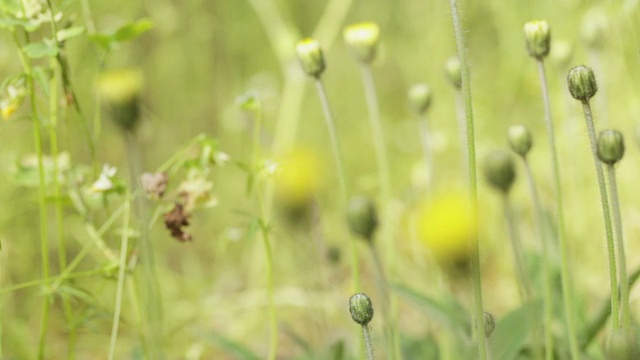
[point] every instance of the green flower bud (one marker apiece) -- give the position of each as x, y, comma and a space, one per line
520, 140
420, 97
499, 170
594, 28
582, 83
362, 39
311, 58
453, 72
362, 217
538, 37
489, 324
622, 346
361, 308
120, 91
610, 146
561, 53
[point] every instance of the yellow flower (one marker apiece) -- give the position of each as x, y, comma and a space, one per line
448, 227
299, 177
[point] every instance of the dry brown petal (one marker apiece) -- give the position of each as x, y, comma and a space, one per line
175, 221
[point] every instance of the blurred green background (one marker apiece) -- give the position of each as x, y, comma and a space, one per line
200, 56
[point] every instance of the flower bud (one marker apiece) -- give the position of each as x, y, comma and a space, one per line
420, 98
361, 308
594, 28
538, 37
453, 72
120, 91
520, 140
610, 146
499, 170
362, 217
561, 53
362, 39
582, 83
489, 324
311, 58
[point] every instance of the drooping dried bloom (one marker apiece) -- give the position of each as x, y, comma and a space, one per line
154, 184
176, 220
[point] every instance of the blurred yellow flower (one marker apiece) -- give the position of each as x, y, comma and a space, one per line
447, 225
298, 178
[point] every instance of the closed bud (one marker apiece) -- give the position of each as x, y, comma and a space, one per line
610, 146
561, 53
489, 324
420, 98
311, 57
499, 170
538, 37
361, 308
453, 72
362, 217
120, 92
520, 140
582, 83
594, 28
362, 39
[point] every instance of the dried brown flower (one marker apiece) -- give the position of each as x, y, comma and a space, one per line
154, 184
175, 220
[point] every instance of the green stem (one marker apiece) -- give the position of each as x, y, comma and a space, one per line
605, 213
122, 266
342, 180
516, 246
544, 243
565, 274
622, 260
384, 291
471, 168
367, 342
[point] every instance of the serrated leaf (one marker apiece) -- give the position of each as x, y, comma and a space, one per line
239, 350
71, 32
446, 311
132, 30
40, 50
512, 331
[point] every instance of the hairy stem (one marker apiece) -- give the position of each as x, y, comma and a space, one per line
622, 260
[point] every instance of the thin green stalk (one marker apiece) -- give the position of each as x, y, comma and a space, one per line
546, 271
565, 274
265, 230
377, 131
471, 168
384, 291
342, 180
122, 266
367, 342
605, 213
462, 126
516, 245
622, 260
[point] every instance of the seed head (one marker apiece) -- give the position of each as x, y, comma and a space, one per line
120, 90
582, 83
361, 308
610, 146
362, 217
520, 140
453, 72
420, 98
311, 58
538, 37
362, 39
499, 170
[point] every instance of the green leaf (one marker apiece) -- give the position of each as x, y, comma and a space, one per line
40, 50
239, 350
446, 311
103, 40
512, 331
71, 32
132, 30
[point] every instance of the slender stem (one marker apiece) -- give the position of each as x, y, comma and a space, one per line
377, 131
462, 126
367, 342
546, 281
622, 260
605, 213
342, 180
565, 274
122, 266
385, 295
516, 246
265, 230
471, 168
